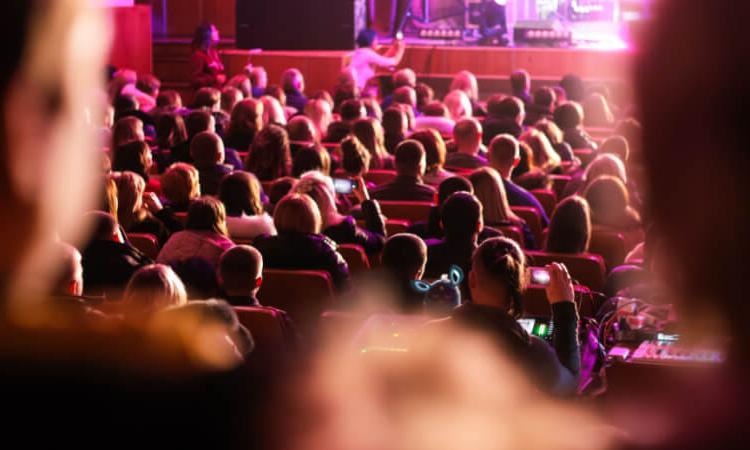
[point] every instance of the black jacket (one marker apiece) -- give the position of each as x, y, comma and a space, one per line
302, 251
554, 368
371, 238
108, 266
404, 188
492, 127
431, 229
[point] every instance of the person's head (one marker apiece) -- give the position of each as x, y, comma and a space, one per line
609, 200
461, 217
180, 184
169, 100
69, 280
551, 130
574, 87
199, 121
126, 130
276, 92
606, 164
560, 96
170, 130
490, 191
207, 214
434, 148
258, 77
125, 103
370, 133
109, 195
297, 213
632, 131
498, 275
104, 226
425, 95
135, 157
458, 104
504, 154
367, 38
568, 116
466, 81
242, 83
269, 156
451, 185
544, 155
410, 158
597, 111
148, 84
545, 98
355, 158
404, 77
404, 257
616, 145
230, 96
321, 114
130, 188
507, 108
467, 134
395, 122
302, 129
436, 109
206, 36
153, 288
207, 150
240, 193
405, 95
312, 157
208, 98
320, 188
292, 80
520, 82
570, 227
352, 110
247, 117
279, 188
240, 271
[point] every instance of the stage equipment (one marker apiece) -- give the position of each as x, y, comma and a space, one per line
541, 33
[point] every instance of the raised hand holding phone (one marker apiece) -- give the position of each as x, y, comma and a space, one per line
359, 189
560, 287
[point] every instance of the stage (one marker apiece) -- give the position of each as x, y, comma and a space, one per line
437, 65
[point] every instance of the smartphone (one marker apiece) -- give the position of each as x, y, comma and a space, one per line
539, 275
539, 327
399, 35
344, 185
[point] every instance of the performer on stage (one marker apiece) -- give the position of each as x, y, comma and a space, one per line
365, 60
206, 66
493, 24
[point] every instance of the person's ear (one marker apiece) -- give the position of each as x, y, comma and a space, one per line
258, 282
73, 288
516, 162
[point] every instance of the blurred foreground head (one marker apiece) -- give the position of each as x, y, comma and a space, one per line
49, 75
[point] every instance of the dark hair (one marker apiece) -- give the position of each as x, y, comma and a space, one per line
404, 254
132, 157
279, 188
461, 215
518, 80
238, 268
500, 260
574, 88
452, 185
148, 84
170, 130
366, 37
202, 36
568, 115
301, 128
570, 227
207, 150
207, 214
409, 154
246, 119
355, 157
404, 95
545, 97
197, 122
269, 156
240, 193
104, 225
168, 99
393, 127
425, 95
124, 104
505, 108
351, 110
306, 159
206, 97
434, 147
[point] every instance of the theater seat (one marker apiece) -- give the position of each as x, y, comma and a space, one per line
355, 257
610, 245
547, 198
267, 329
181, 217
533, 219
304, 294
512, 232
411, 211
395, 226
146, 243
586, 155
559, 182
588, 269
380, 177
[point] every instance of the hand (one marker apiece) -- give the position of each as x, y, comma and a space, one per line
360, 190
152, 202
560, 287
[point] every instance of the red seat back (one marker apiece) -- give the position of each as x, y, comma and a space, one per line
588, 269
513, 232
411, 211
533, 219
559, 182
586, 155
355, 257
609, 244
380, 177
265, 325
547, 198
181, 217
146, 243
304, 294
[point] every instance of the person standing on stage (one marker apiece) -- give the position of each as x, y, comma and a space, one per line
206, 66
366, 59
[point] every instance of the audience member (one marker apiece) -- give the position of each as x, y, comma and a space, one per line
596, 112
321, 114
180, 185
240, 275
610, 204
467, 136
404, 260
435, 151
555, 137
520, 86
293, 84
505, 115
245, 122
269, 156
207, 152
542, 107
311, 157
435, 115
246, 218
545, 158
459, 105
355, 159
142, 212
569, 117
151, 289
467, 82
259, 81
408, 186
570, 227
370, 133
351, 110
395, 127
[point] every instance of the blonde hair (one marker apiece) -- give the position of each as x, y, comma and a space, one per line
490, 191
297, 213
273, 112
152, 288
180, 183
544, 155
606, 164
467, 82
130, 188
320, 188
458, 104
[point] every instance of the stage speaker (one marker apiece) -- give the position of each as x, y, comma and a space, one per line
300, 24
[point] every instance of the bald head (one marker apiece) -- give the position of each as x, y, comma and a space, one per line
468, 135
404, 77
410, 158
240, 270
504, 154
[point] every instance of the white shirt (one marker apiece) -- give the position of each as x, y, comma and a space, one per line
250, 227
364, 62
